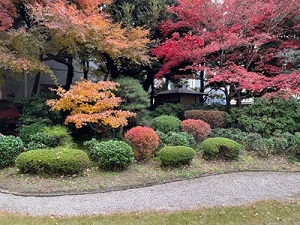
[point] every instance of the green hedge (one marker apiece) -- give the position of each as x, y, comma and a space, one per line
175, 156
57, 161
10, 148
220, 148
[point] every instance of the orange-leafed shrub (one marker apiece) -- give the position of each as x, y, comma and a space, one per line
143, 140
215, 118
198, 128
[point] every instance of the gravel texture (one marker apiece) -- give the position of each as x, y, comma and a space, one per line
224, 189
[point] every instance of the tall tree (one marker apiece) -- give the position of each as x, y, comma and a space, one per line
80, 30
144, 13
239, 43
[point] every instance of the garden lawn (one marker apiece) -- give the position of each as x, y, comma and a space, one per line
265, 212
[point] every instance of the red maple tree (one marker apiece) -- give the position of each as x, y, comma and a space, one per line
239, 43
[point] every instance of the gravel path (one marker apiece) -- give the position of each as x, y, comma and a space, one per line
225, 189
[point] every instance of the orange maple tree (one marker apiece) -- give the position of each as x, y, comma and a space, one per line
91, 103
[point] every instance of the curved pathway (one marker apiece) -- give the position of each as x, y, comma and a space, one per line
224, 189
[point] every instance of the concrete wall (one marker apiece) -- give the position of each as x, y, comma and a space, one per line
17, 88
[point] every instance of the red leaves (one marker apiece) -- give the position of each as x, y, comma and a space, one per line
198, 128
7, 13
144, 140
240, 41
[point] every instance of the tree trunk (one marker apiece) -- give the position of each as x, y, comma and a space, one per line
238, 99
112, 70
228, 98
85, 69
36, 80
202, 86
70, 74
36, 84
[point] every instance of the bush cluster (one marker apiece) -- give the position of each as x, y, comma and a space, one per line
214, 118
60, 134
10, 148
198, 128
143, 140
175, 156
27, 130
34, 109
175, 139
38, 135
166, 124
296, 145
279, 143
40, 140
268, 116
111, 155
169, 109
58, 161
220, 148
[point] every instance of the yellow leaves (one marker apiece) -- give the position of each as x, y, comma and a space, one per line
90, 102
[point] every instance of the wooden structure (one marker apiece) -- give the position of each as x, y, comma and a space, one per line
178, 95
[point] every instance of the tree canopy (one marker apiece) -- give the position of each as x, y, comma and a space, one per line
241, 44
65, 30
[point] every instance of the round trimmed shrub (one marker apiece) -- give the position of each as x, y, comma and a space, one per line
166, 124
57, 161
198, 128
175, 156
10, 148
112, 155
143, 140
220, 148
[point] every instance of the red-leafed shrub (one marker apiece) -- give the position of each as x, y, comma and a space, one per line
8, 120
8, 114
143, 140
215, 118
198, 128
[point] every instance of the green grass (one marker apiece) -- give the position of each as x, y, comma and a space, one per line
266, 212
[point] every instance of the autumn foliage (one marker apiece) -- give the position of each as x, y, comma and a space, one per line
198, 128
91, 103
242, 45
62, 30
144, 140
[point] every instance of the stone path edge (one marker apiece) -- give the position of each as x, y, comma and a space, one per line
3, 190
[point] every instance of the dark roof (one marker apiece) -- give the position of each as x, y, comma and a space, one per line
181, 91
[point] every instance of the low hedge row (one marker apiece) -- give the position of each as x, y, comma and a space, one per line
57, 161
